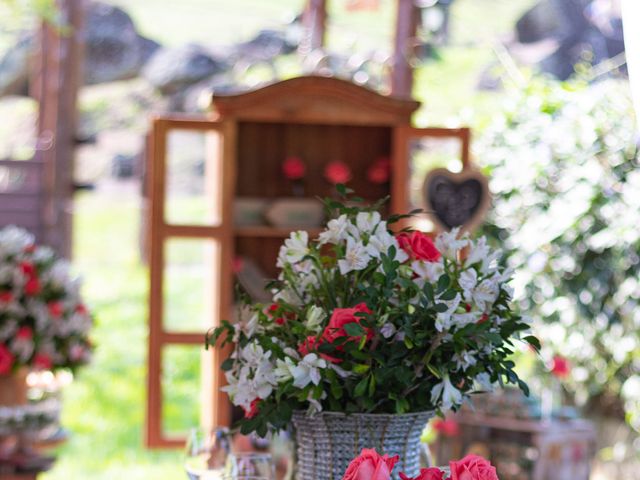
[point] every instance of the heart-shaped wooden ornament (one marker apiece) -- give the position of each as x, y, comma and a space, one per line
456, 199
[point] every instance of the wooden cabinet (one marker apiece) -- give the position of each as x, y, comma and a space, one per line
248, 136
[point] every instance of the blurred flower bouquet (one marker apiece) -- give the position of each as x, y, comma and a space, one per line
44, 324
367, 321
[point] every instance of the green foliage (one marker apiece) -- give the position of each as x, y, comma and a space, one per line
564, 169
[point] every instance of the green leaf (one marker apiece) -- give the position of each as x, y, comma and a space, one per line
227, 365
354, 329
533, 341
361, 368
443, 283
361, 387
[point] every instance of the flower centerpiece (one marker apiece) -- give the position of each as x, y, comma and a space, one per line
369, 334
44, 324
370, 465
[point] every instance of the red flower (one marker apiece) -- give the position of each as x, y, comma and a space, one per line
337, 172
341, 317
6, 297
55, 309
237, 265
6, 360
253, 410
28, 269
472, 467
448, 427
280, 321
32, 287
370, 465
81, 309
293, 168
311, 344
418, 246
42, 362
483, 318
24, 333
29, 248
426, 474
380, 171
560, 367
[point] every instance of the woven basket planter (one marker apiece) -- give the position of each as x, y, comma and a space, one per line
327, 442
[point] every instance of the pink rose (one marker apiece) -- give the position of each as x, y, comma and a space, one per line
6, 360
337, 172
253, 409
560, 367
418, 246
370, 465
311, 344
293, 168
341, 317
472, 467
426, 474
42, 361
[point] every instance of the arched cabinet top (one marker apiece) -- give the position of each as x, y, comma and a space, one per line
315, 99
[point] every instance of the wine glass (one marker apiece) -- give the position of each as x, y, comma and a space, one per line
247, 465
207, 454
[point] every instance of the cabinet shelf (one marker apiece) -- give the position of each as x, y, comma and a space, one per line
267, 231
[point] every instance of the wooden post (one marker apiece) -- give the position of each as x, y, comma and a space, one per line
55, 85
402, 70
314, 21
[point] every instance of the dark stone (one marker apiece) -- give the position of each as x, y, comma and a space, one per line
266, 45
113, 50
172, 69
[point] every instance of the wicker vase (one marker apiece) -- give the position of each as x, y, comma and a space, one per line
327, 442
13, 388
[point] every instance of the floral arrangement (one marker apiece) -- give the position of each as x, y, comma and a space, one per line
370, 465
44, 324
365, 320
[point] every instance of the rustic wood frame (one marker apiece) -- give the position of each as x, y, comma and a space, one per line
214, 411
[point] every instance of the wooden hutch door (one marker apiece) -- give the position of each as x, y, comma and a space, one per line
418, 148
190, 241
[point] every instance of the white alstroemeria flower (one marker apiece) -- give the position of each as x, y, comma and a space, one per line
43, 254
443, 319
468, 281
308, 370
380, 243
60, 275
355, 258
7, 329
483, 381
239, 388
253, 354
340, 371
336, 231
284, 370
465, 359
430, 271
6, 273
485, 294
490, 263
314, 405
295, 248
450, 395
287, 295
247, 324
14, 240
315, 316
367, 221
448, 243
23, 348
478, 251
264, 379
461, 319
388, 330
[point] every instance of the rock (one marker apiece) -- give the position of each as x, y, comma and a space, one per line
266, 45
172, 69
539, 22
113, 50
14, 67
